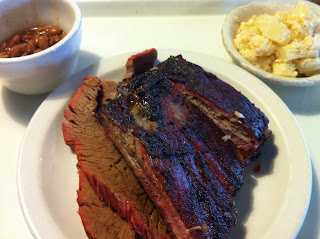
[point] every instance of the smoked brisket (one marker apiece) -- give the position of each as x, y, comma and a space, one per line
140, 63
99, 220
102, 164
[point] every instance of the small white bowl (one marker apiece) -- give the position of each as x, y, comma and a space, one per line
43, 71
243, 14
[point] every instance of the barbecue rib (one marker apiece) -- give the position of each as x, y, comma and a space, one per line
102, 164
175, 136
226, 107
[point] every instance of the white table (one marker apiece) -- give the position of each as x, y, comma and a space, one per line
112, 28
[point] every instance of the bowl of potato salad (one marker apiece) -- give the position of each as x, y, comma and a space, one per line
278, 42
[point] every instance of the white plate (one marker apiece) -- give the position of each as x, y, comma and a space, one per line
271, 204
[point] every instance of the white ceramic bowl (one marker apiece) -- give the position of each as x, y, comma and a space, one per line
242, 14
43, 71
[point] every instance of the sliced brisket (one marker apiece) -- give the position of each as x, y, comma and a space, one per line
98, 219
102, 164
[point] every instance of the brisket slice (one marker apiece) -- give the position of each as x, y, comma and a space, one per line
228, 108
179, 156
99, 220
102, 164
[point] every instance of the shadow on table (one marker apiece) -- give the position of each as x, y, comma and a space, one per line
300, 100
86, 59
244, 199
22, 107
310, 226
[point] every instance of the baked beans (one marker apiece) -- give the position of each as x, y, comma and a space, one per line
31, 41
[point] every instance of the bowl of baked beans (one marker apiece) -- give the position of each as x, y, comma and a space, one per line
39, 44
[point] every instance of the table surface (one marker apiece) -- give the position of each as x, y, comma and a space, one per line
110, 29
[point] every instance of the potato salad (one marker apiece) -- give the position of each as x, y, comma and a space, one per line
285, 44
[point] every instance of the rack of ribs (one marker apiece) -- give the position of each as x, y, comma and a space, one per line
186, 135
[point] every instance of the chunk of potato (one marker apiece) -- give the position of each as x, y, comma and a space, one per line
274, 30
